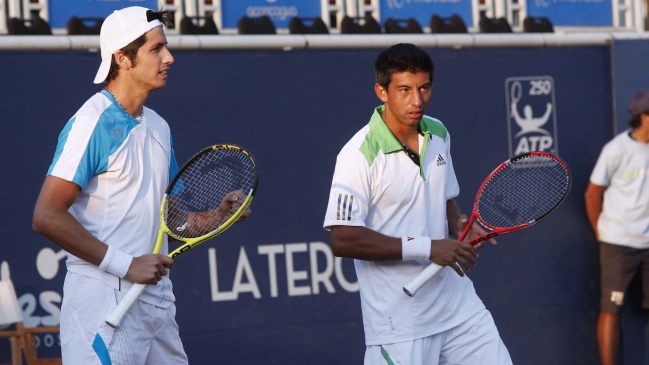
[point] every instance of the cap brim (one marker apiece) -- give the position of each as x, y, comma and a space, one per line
103, 70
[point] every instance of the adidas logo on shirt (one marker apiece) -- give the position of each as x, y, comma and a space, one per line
344, 211
440, 160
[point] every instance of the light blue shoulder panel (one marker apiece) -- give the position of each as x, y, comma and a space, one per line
110, 132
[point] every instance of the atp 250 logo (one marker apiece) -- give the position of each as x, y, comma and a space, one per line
531, 115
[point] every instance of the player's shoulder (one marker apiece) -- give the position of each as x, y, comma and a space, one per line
618, 144
153, 117
434, 127
356, 148
92, 110
356, 141
150, 113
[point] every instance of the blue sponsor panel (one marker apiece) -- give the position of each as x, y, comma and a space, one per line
269, 290
573, 12
62, 10
279, 11
423, 10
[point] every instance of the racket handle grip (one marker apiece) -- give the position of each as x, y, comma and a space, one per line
115, 317
413, 287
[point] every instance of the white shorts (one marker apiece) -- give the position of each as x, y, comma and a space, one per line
147, 335
474, 342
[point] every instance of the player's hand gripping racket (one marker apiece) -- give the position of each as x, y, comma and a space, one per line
206, 197
519, 193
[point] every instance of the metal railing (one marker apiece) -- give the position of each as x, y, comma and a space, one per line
59, 43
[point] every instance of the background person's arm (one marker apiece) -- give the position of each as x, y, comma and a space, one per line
594, 198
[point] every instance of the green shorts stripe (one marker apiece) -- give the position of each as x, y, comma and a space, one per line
386, 356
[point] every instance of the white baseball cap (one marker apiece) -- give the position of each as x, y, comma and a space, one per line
118, 30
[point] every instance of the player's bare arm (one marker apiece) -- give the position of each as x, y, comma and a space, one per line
53, 220
202, 223
457, 223
365, 244
231, 203
594, 198
149, 269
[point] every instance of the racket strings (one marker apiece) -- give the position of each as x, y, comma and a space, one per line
523, 191
201, 199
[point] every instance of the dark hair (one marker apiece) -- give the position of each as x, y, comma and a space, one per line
130, 50
402, 57
635, 121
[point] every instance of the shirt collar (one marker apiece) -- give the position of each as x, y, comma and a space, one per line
384, 136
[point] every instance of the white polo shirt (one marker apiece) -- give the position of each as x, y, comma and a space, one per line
376, 185
623, 167
123, 168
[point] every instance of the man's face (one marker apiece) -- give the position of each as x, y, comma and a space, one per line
406, 97
152, 61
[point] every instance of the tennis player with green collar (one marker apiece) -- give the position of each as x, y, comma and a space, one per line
391, 209
101, 200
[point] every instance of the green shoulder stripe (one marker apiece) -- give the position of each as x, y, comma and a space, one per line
433, 126
370, 148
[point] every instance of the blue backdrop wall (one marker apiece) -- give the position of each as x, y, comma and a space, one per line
269, 290
630, 76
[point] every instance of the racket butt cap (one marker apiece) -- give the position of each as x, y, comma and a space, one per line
114, 320
408, 292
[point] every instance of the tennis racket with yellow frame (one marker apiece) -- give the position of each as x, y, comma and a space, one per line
205, 198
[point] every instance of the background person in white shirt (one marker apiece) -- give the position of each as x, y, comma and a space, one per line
391, 208
617, 204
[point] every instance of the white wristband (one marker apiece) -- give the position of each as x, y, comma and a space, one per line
415, 248
116, 262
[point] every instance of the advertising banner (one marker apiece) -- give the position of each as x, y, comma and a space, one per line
423, 10
62, 10
573, 12
279, 11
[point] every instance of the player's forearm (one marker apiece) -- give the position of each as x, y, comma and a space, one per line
594, 200
190, 224
53, 220
593, 210
453, 214
364, 244
202, 223
65, 231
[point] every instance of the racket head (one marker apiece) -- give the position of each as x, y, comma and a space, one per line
521, 192
200, 188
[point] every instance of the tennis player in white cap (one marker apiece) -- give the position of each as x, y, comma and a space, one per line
101, 198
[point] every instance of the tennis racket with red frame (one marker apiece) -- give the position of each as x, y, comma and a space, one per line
518, 194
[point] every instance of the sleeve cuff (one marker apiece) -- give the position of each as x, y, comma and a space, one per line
415, 248
116, 262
